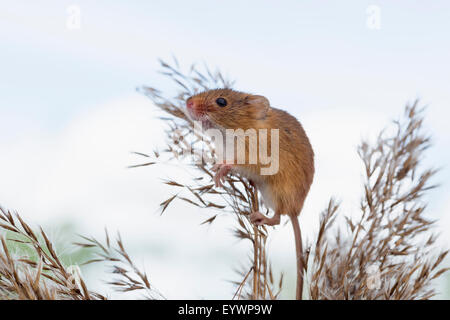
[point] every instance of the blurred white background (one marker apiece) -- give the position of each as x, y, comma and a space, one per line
70, 114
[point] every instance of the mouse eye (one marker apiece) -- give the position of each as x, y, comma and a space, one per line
221, 102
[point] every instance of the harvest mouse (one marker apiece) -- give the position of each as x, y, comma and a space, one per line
285, 190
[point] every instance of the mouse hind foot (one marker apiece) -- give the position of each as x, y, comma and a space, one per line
259, 219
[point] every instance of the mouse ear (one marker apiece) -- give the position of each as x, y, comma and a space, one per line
261, 103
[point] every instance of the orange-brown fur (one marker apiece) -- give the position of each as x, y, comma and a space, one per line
287, 188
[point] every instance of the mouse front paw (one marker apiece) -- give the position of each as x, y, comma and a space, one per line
221, 169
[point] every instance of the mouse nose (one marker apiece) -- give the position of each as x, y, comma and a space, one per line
194, 107
190, 104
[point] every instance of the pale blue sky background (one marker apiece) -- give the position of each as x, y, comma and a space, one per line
69, 111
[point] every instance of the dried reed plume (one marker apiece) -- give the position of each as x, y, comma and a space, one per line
127, 277
44, 277
41, 275
387, 251
391, 237
238, 196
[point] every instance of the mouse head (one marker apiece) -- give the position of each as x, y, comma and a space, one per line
227, 109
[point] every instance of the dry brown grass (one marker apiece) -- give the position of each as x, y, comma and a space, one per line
390, 242
35, 279
126, 276
387, 251
41, 275
392, 234
237, 196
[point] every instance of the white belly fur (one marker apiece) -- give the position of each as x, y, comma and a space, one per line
264, 190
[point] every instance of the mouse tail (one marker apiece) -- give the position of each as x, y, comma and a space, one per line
299, 256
